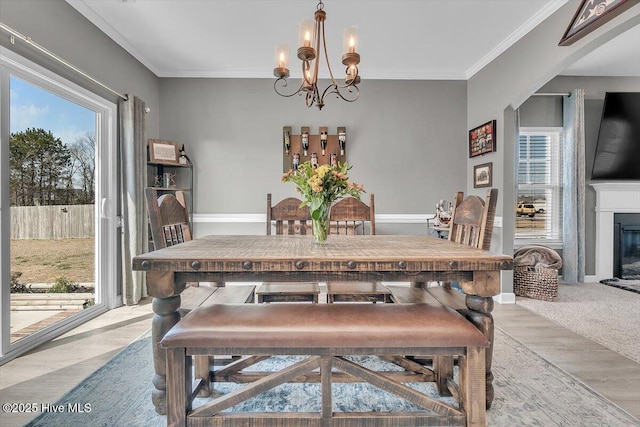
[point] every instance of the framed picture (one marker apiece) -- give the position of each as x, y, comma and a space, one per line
163, 152
482, 175
592, 14
482, 139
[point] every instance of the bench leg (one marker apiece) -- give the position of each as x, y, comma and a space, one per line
325, 378
472, 386
480, 315
203, 373
179, 383
443, 369
166, 316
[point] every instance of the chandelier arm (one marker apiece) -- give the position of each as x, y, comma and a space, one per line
335, 89
348, 91
348, 85
283, 84
326, 57
319, 35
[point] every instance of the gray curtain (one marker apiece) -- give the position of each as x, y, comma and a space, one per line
574, 187
133, 163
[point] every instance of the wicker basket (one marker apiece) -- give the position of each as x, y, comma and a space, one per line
538, 284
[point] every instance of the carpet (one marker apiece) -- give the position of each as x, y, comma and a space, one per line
604, 314
629, 285
528, 392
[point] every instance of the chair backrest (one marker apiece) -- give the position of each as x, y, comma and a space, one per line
288, 216
350, 216
472, 220
168, 218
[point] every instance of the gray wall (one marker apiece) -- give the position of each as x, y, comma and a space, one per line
406, 141
58, 27
505, 83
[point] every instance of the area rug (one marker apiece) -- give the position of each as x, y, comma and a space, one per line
604, 314
528, 392
628, 285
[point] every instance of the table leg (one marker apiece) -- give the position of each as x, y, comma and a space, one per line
166, 315
479, 314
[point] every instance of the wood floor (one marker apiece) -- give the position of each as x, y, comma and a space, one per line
46, 373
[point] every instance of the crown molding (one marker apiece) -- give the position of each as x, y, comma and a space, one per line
520, 32
82, 6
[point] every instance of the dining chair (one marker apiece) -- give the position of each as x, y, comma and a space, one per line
472, 219
168, 218
169, 226
353, 217
472, 225
287, 218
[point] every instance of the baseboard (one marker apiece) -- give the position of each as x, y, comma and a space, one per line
505, 298
591, 279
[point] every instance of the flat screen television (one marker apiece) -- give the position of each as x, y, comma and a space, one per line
618, 148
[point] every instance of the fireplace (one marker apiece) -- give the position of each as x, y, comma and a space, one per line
616, 202
626, 246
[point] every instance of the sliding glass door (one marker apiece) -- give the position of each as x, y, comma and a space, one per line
58, 205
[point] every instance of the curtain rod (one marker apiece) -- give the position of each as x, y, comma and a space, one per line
551, 94
28, 40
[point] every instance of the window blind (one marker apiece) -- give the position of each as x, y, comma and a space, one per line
539, 184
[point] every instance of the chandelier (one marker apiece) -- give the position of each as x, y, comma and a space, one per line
312, 46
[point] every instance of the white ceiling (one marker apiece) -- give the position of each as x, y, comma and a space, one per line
399, 39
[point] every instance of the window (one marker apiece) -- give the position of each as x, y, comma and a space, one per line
539, 193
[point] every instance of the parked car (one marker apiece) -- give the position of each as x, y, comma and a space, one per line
540, 207
526, 209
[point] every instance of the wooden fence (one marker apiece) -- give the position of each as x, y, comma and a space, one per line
52, 222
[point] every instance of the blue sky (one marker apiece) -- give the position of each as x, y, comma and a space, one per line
33, 107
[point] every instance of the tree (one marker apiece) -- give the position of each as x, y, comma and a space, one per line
83, 152
39, 167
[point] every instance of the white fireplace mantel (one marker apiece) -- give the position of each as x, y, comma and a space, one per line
611, 198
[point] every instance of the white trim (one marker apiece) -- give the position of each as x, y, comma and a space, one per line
505, 298
97, 20
230, 217
253, 218
248, 74
591, 279
553, 244
611, 197
403, 218
50, 332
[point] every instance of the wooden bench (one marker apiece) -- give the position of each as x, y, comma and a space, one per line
357, 292
286, 292
457, 301
205, 296
325, 333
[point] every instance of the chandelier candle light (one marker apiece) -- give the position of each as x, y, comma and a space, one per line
312, 45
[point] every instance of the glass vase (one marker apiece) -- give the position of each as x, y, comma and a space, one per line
321, 226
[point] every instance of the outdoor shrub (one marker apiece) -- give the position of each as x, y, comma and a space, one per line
17, 287
63, 285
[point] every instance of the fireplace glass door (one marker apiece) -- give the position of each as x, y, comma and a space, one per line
627, 246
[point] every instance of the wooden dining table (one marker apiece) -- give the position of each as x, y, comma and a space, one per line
417, 259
